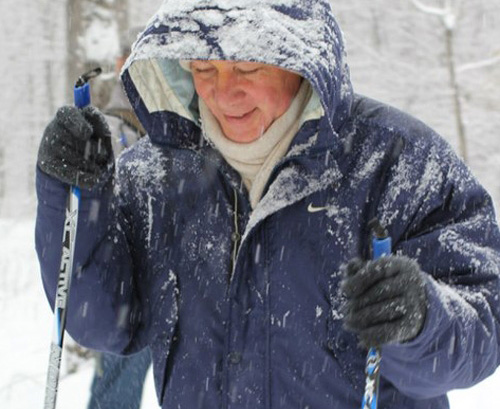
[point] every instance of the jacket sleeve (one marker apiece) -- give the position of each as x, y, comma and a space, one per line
448, 225
103, 306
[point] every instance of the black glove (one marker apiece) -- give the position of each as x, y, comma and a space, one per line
76, 147
386, 300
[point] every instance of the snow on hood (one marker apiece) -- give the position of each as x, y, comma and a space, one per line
296, 35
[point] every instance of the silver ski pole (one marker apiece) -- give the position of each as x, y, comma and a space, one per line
82, 99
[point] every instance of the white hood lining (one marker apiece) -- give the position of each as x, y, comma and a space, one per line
150, 81
164, 85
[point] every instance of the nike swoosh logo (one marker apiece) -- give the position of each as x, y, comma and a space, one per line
314, 209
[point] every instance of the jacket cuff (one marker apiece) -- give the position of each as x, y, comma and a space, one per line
50, 191
435, 314
54, 192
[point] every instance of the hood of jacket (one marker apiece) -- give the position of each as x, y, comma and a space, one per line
296, 35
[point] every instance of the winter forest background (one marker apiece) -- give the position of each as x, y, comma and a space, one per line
437, 59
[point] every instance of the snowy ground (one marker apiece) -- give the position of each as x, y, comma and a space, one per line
27, 328
26, 331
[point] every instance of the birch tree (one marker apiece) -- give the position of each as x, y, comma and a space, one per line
448, 16
93, 32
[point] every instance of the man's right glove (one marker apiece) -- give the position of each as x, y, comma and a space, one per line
76, 147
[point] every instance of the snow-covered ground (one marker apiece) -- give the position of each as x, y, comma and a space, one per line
26, 327
26, 323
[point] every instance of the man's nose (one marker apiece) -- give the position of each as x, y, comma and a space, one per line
228, 89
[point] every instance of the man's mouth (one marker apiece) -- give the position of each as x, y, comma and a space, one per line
242, 117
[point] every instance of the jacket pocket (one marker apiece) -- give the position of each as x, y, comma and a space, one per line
344, 347
165, 316
343, 344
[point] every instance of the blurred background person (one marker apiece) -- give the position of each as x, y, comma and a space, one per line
118, 381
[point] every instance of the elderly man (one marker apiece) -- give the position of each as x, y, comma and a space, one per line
234, 239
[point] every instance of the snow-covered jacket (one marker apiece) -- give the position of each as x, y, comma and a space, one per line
242, 308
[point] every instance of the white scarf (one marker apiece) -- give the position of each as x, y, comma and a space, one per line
255, 160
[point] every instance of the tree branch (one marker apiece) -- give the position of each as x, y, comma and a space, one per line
446, 14
479, 64
430, 10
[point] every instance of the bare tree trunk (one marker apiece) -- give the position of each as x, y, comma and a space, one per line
82, 15
121, 15
457, 103
3, 172
377, 38
448, 16
76, 26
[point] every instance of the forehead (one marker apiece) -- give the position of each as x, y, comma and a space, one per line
223, 65
226, 64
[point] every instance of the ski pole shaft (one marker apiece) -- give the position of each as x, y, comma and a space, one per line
62, 293
381, 246
82, 99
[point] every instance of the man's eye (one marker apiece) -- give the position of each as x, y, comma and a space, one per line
248, 68
248, 71
203, 70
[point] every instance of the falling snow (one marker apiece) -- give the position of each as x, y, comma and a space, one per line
22, 384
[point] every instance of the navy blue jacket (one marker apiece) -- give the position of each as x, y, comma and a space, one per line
242, 308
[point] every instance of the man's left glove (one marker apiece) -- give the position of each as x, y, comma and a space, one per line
386, 300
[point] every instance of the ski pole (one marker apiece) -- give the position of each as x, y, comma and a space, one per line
82, 99
381, 246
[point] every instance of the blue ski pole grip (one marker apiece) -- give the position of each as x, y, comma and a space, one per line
82, 95
81, 91
381, 247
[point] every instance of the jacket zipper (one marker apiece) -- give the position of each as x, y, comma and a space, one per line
235, 237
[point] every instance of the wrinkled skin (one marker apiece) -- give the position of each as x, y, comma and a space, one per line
245, 97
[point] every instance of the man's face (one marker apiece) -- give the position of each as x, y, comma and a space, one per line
245, 97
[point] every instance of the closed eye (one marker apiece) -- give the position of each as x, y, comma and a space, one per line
248, 68
203, 70
202, 67
246, 72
